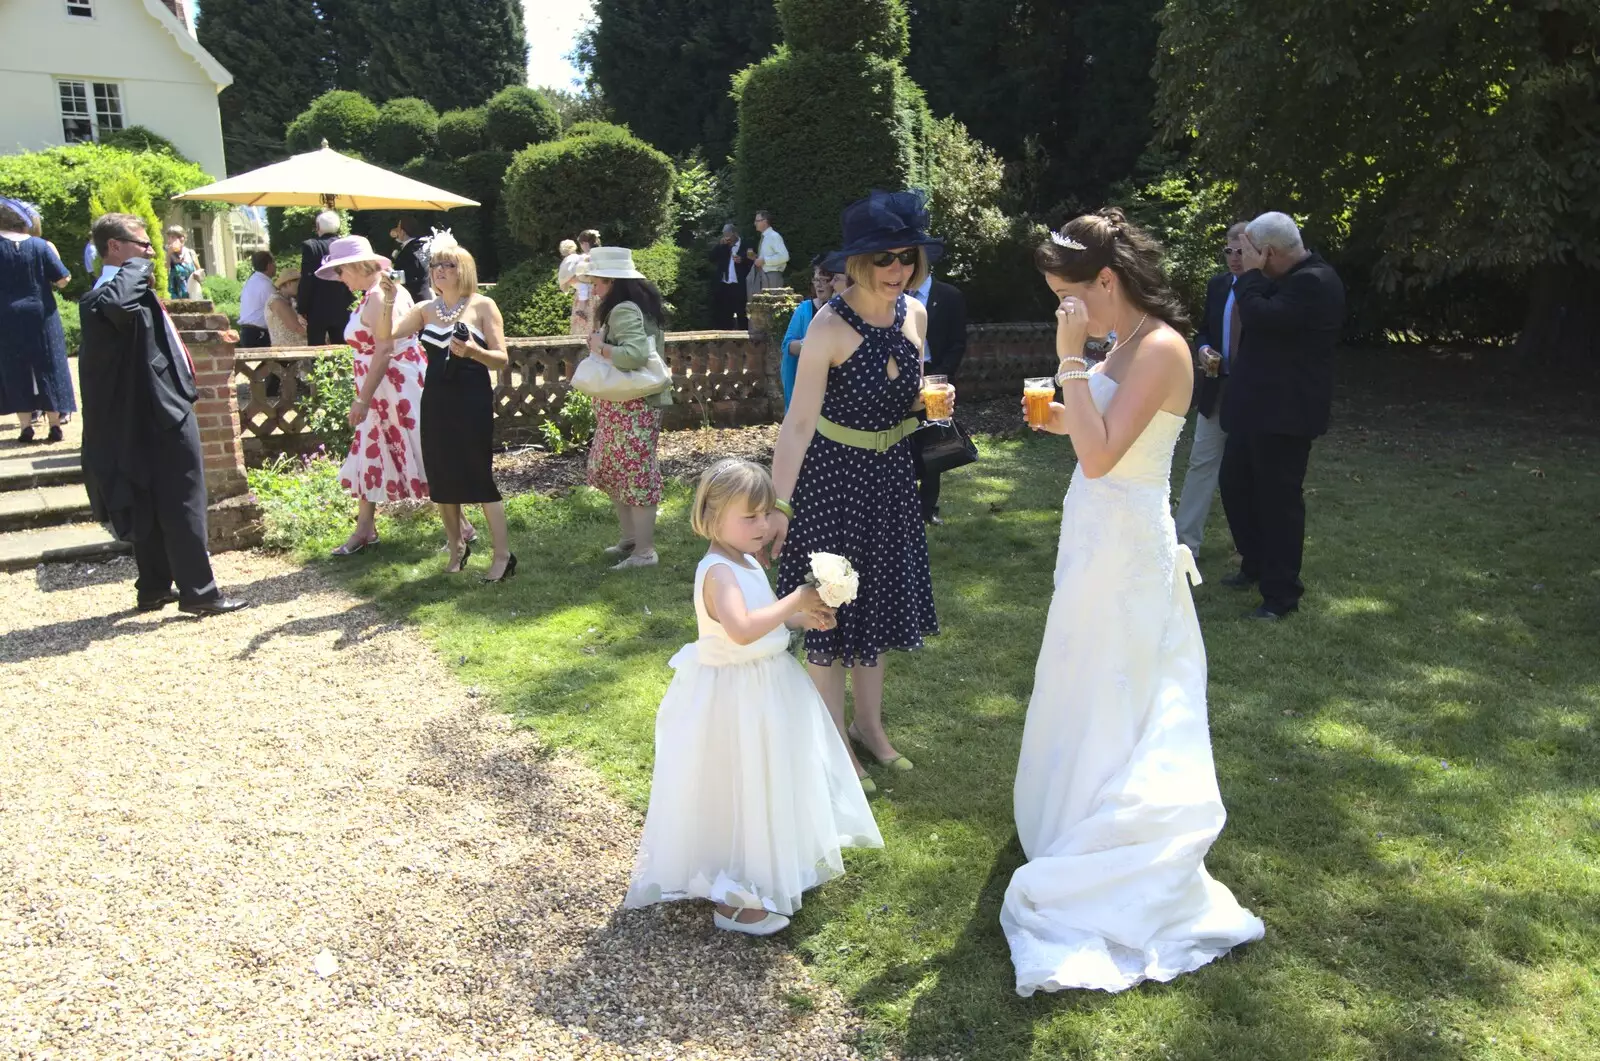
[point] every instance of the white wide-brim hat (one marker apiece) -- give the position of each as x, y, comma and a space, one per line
347, 250
610, 263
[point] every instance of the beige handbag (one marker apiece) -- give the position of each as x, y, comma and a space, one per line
599, 378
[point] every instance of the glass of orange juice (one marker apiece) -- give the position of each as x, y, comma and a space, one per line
939, 397
1038, 392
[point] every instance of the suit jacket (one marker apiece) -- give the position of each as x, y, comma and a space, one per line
1209, 388
133, 382
322, 302
1282, 374
947, 329
719, 259
412, 259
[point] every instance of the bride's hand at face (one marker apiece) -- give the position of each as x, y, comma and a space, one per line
1072, 327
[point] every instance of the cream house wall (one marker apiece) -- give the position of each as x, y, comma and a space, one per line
166, 85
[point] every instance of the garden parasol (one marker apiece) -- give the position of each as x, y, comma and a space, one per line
328, 179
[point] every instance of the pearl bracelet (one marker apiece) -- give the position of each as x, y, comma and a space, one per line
1072, 375
1084, 361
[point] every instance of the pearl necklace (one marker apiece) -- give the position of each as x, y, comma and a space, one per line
450, 316
1117, 344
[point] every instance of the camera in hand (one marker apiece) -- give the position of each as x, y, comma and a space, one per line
397, 275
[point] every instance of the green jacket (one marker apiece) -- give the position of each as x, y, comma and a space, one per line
629, 334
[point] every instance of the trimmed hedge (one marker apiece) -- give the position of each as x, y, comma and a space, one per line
347, 120
290, 226
62, 181
407, 127
868, 128
518, 116
532, 304
463, 132
607, 180
880, 28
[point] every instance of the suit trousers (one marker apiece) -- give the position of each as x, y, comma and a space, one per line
728, 307
1200, 481
326, 333
173, 548
771, 280
1263, 479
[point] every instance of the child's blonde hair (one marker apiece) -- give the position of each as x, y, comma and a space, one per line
724, 483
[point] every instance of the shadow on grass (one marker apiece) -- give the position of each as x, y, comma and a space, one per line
1408, 763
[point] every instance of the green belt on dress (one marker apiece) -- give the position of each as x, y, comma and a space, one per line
877, 441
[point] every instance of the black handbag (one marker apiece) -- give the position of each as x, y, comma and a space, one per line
941, 447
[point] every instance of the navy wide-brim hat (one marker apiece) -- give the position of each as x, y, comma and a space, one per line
885, 221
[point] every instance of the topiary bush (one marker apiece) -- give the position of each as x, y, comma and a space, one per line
607, 180
683, 279
407, 127
530, 302
867, 125
880, 28
518, 116
462, 132
347, 120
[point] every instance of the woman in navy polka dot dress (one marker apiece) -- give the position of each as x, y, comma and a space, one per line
843, 463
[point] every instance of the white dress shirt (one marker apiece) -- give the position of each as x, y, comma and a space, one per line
733, 262
774, 255
253, 300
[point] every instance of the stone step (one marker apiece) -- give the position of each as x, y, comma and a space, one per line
20, 550
43, 506
25, 473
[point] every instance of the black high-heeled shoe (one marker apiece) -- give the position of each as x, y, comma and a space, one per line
511, 569
466, 554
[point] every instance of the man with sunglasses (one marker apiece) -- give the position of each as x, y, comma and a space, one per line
142, 466
1215, 344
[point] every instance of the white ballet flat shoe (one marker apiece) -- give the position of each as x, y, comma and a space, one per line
765, 927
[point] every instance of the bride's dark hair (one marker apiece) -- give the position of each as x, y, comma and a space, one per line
1111, 241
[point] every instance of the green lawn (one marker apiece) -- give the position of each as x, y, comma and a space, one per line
1410, 764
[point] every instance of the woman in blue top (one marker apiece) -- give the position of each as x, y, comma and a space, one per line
824, 285
33, 349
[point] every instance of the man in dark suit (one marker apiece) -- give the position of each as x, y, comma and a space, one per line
141, 446
1215, 343
412, 257
731, 265
942, 351
1280, 393
324, 305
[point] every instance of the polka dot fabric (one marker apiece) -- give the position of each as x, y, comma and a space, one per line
863, 505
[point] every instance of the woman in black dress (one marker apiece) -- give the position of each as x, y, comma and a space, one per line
843, 462
464, 337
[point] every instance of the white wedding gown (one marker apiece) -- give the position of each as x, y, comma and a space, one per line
1116, 795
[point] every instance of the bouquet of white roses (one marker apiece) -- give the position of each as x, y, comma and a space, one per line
835, 580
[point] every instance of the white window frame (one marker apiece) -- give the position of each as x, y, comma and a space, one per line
80, 9
96, 103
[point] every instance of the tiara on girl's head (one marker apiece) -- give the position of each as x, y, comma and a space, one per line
1068, 242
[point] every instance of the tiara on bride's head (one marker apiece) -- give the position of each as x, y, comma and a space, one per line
1061, 240
442, 240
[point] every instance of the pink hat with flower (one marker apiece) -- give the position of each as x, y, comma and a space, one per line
347, 250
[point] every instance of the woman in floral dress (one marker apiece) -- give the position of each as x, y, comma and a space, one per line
385, 458
628, 318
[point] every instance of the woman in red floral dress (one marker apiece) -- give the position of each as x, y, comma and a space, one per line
385, 458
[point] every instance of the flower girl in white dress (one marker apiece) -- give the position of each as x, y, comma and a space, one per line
753, 794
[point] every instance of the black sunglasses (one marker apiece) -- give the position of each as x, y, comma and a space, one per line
1232, 252
886, 258
146, 244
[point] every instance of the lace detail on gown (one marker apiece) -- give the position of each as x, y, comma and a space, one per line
1116, 797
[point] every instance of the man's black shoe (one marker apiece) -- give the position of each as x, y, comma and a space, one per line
155, 604
220, 606
1266, 613
1238, 580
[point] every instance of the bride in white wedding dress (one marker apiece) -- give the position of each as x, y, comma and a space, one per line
1116, 795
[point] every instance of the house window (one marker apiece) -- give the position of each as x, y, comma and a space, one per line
80, 8
89, 110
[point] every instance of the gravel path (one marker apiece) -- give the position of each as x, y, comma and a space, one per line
291, 833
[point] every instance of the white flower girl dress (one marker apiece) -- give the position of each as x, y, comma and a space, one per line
753, 795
